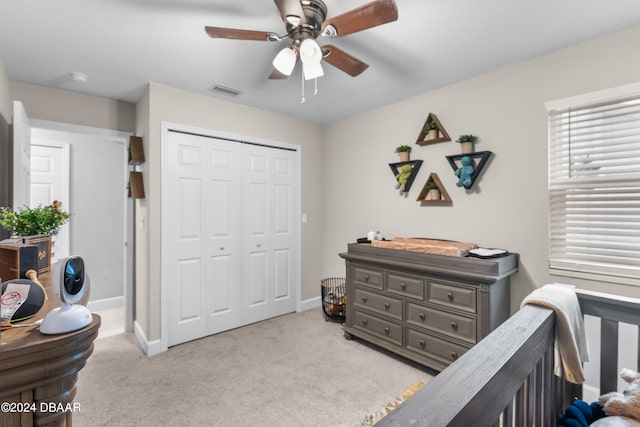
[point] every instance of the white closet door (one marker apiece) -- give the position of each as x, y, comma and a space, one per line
270, 239
233, 257
186, 253
224, 227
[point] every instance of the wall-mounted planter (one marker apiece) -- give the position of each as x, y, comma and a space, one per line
427, 195
136, 150
434, 136
457, 163
136, 185
415, 167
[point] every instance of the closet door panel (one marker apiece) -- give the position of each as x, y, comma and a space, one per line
258, 231
186, 275
224, 234
284, 237
283, 280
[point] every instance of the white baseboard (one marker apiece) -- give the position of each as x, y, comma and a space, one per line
310, 303
150, 348
106, 304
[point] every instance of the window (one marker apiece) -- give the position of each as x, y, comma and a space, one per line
594, 184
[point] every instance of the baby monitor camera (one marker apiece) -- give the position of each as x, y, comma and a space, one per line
71, 285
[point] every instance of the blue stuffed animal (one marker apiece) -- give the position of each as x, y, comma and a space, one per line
464, 172
580, 414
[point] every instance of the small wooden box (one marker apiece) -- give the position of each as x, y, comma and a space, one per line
16, 259
43, 242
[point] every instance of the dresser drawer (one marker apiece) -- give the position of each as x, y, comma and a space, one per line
434, 347
407, 286
384, 329
368, 277
450, 295
383, 304
450, 324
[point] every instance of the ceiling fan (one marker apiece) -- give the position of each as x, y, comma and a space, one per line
305, 22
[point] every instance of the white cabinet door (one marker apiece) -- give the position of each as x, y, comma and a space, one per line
232, 257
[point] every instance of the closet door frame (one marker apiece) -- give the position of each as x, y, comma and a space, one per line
165, 286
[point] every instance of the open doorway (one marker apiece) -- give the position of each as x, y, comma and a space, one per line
94, 162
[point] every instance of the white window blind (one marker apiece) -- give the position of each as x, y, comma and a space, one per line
594, 187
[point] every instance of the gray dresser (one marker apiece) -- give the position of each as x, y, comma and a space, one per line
428, 308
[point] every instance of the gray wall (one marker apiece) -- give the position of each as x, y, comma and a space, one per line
63, 106
508, 207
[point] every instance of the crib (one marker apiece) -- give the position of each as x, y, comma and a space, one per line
507, 378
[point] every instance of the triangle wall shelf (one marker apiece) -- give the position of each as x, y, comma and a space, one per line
456, 162
426, 198
425, 139
415, 167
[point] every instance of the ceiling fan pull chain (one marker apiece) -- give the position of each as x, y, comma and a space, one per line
302, 100
315, 82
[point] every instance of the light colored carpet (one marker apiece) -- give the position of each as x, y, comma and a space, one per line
294, 370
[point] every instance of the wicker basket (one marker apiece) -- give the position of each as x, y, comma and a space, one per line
334, 297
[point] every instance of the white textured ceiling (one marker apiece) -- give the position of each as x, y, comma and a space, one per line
124, 44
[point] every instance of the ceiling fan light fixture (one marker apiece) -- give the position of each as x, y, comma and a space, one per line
310, 51
285, 61
312, 70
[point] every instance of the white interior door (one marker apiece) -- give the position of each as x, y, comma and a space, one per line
21, 156
49, 182
226, 261
269, 233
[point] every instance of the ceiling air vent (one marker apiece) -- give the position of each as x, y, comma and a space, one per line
224, 90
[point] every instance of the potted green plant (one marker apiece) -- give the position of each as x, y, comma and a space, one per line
466, 142
404, 151
431, 130
35, 226
434, 191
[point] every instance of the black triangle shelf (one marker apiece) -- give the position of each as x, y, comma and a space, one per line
415, 167
425, 198
456, 163
442, 135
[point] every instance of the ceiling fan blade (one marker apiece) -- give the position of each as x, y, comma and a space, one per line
277, 75
343, 61
370, 15
232, 33
291, 11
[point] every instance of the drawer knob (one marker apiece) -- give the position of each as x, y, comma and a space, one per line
364, 322
387, 305
422, 316
366, 277
403, 286
450, 296
364, 299
386, 330
454, 326
422, 343
454, 355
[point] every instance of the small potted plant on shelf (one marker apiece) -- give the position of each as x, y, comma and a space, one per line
434, 191
404, 151
466, 143
431, 130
